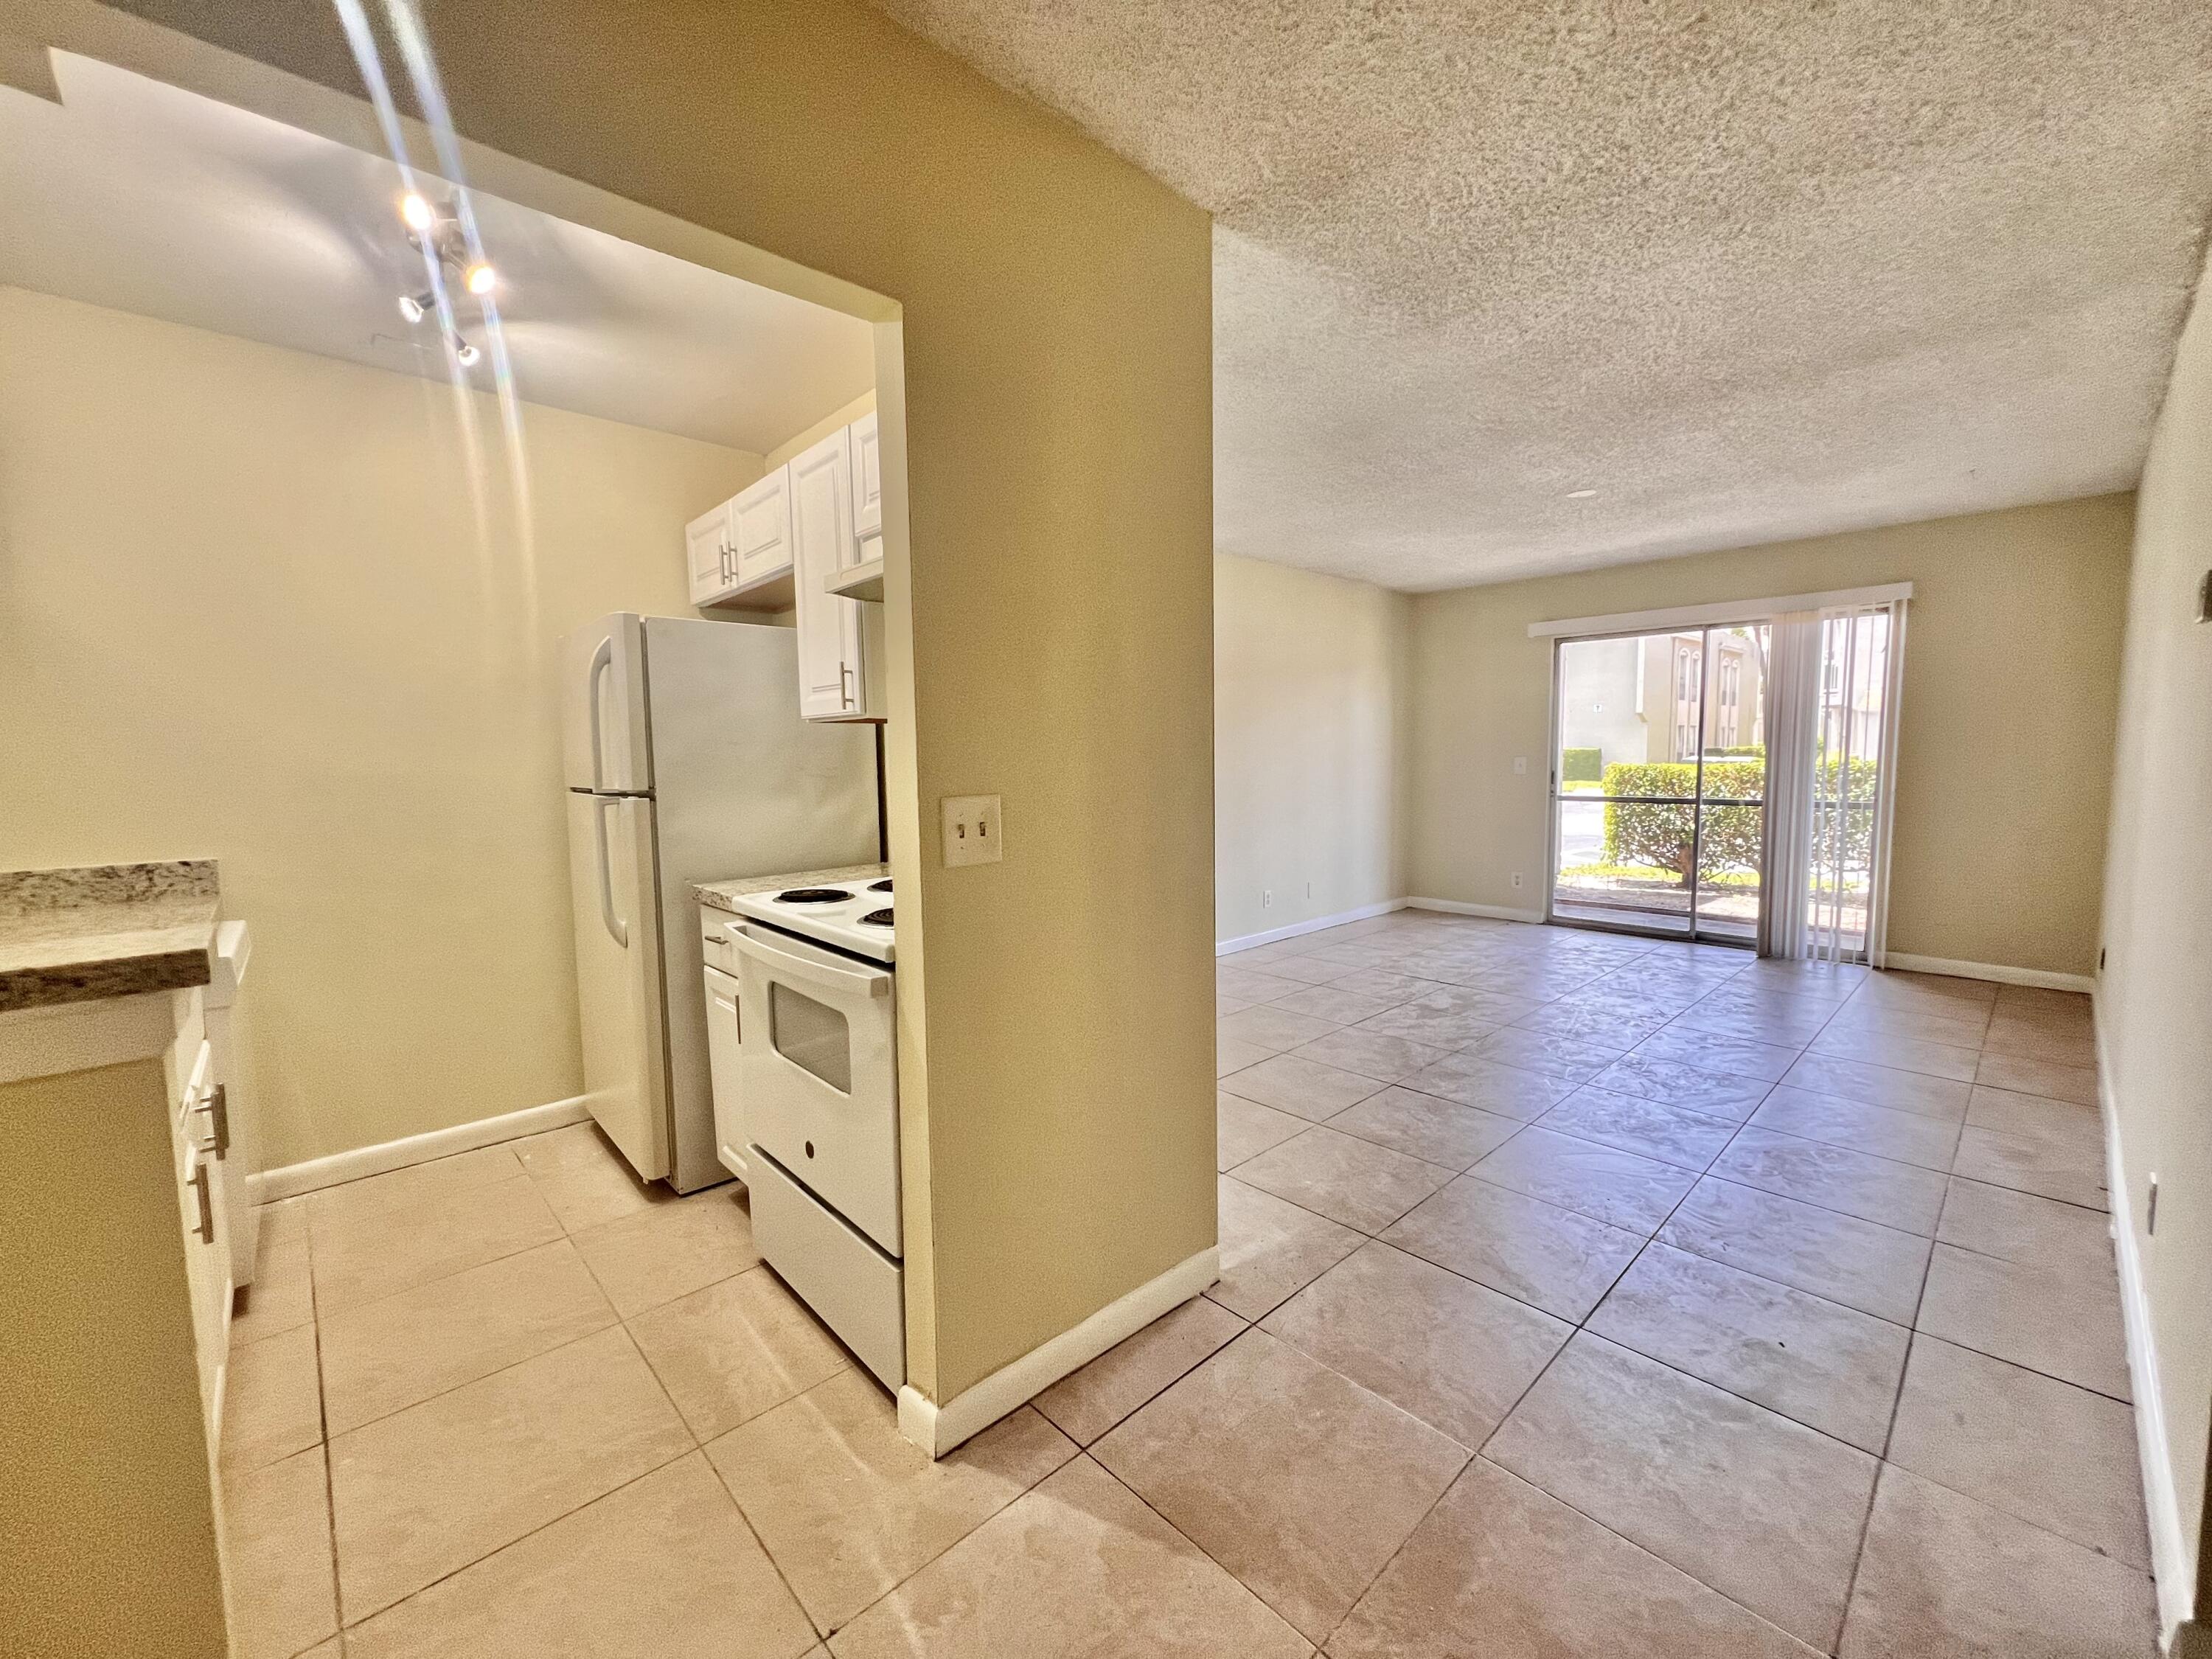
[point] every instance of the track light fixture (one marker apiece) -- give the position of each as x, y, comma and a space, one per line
435, 231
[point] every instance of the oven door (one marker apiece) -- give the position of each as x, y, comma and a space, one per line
820, 1074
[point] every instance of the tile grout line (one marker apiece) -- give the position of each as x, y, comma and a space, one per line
512, 1364
1228, 1572
1581, 1326
821, 1636
322, 1420
520, 1537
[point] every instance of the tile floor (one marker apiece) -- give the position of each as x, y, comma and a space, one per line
1579, 1295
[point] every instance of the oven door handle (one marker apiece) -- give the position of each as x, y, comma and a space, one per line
837, 981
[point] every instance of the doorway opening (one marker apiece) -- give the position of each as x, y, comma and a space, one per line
1659, 782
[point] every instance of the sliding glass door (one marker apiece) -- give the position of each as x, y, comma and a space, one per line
1848, 752
1658, 783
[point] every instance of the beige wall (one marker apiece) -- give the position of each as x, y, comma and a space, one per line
1049, 638
1310, 733
2157, 981
799, 442
2011, 660
248, 615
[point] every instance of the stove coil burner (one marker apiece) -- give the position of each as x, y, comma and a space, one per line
813, 896
877, 919
883, 886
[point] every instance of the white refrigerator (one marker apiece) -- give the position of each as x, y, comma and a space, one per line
685, 759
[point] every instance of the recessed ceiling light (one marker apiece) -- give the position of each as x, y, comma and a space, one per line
1580, 495
418, 213
480, 277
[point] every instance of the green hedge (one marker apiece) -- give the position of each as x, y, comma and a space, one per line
1661, 835
1581, 765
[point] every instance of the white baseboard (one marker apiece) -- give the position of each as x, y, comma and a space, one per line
1988, 970
1460, 908
338, 1168
2169, 1551
938, 1429
1252, 941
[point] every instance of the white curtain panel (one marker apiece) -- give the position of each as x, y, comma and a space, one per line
1793, 707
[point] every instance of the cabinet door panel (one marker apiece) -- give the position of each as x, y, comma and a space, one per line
724, 1054
867, 484
707, 556
828, 627
760, 529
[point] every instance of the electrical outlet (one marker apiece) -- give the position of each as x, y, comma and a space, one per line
1520, 766
1516, 881
1267, 898
972, 832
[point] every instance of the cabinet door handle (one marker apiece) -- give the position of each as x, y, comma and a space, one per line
217, 1107
205, 1226
845, 685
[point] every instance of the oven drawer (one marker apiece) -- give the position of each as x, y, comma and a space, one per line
820, 1074
858, 1291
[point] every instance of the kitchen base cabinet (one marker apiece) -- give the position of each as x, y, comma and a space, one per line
110, 1544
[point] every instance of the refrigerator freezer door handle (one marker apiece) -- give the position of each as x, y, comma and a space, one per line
602, 659
617, 929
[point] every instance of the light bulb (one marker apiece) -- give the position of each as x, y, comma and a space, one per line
467, 356
480, 277
413, 306
416, 212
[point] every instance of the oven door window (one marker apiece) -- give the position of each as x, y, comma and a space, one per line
811, 1036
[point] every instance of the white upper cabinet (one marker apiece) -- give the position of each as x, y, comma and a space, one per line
832, 674
867, 486
760, 530
742, 545
706, 555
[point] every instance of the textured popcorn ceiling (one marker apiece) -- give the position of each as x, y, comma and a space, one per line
1750, 269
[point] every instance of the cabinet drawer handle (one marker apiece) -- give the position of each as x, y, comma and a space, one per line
217, 1105
205, 1226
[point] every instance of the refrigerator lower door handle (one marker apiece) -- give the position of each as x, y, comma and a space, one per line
617, 929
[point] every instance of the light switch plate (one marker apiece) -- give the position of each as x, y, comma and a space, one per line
972, 834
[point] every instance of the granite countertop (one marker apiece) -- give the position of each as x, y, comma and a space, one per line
108, 930
721, 895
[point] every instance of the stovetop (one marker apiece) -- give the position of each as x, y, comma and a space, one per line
853, 914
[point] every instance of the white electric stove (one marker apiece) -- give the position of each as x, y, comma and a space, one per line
818, 1069
848, 915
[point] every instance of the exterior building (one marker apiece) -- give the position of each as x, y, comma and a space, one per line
1639, 699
